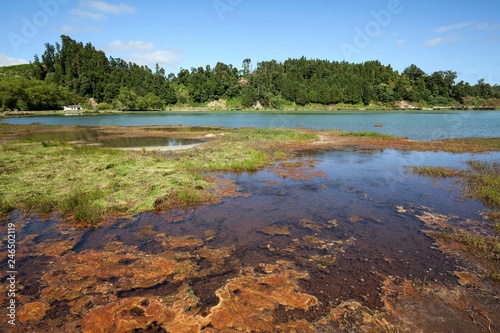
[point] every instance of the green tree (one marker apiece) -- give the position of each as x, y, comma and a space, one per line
127, 99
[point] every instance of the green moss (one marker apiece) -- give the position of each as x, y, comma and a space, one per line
368, 134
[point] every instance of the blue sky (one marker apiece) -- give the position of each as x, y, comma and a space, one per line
434, 35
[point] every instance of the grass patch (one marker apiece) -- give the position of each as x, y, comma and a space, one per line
6, 206
434, 172
484, 143
87, 183
477, 245
480, 246
368, 135
481, 180
494, 273
268, 134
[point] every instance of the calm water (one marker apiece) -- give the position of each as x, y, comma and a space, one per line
414, 125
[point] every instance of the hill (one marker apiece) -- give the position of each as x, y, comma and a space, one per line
71, 72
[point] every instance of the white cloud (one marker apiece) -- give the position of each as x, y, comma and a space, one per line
142, 53
482, 26
97, 10
9, 61
401, 42
81, 13
165, 58
104, 7
456, 26
68, 29
441, 40
122, 46
433, 41
473, 25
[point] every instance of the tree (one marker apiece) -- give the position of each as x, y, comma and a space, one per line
484, 90
248, 97
367, 94
414, 74
153, 102
246, 66
126, 100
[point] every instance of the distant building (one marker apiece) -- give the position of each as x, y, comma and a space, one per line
72, 108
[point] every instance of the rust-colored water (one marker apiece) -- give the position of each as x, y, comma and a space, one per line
337, 227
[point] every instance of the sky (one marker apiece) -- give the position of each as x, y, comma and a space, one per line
463, 36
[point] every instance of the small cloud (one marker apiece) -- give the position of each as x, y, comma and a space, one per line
122, 46
473, 25
401, 42
9, 61
104, 7
81, 13
94, 10
482, 26
441, 40
68, 29
433, 41
487, 26
165, 58
446, 28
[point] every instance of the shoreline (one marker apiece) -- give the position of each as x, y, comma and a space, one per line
12, 114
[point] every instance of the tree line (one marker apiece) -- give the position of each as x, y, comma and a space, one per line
71, 72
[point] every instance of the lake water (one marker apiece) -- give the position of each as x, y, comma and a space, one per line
419, 125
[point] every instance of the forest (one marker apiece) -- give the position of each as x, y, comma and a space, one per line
71, 72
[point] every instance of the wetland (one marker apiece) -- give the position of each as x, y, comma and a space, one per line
263, 230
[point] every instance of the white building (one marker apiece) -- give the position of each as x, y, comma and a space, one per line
72, 108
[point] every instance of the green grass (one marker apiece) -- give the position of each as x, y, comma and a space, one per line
368, 134
487, 247
87, 183
434, 172
483, 144
481, 180
268, 134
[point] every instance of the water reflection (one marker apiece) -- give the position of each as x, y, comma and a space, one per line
104, 139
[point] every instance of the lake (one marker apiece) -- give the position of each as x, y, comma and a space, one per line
421, 125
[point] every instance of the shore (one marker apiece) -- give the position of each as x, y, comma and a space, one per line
185, 108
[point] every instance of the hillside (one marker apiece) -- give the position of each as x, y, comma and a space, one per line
71, 72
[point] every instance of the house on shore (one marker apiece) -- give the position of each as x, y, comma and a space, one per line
72, 108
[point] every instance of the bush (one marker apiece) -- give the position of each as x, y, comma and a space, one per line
104, 106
